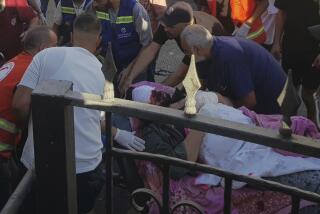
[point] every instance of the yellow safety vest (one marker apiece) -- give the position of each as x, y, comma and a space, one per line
8, 127
68, 10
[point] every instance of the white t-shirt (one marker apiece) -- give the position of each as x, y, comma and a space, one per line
79, 66
78, 9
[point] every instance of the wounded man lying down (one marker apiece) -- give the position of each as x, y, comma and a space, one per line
229, 154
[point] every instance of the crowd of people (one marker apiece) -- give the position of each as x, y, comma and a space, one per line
243, 50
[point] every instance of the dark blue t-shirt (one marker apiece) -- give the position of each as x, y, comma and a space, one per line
240, 66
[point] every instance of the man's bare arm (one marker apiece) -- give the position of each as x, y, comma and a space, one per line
144, 58
193, 144
21, 104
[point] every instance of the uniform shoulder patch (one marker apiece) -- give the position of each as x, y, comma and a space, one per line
6, 69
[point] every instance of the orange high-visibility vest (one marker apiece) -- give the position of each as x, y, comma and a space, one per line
241, 10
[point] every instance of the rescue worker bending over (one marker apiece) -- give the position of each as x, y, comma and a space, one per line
11, 73
239, 69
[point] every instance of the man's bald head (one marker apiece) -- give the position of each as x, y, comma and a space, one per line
39, 38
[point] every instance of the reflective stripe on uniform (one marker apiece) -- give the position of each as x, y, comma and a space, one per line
102, 15
6, 147
68, 10
256, 34
124, 19
8, 126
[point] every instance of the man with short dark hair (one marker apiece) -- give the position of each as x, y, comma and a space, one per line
239, 69
78, 65
11, 73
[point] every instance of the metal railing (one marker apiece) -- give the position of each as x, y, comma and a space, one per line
20, 193
52, 112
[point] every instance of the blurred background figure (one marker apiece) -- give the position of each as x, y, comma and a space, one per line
254, 20
219, 9
297, 48
155, 9
64, 16
15, 18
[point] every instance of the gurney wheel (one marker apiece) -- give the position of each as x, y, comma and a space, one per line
186, 206
140, 197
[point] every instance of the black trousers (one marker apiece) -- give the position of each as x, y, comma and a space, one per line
9, 177
302, 71
89, 185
